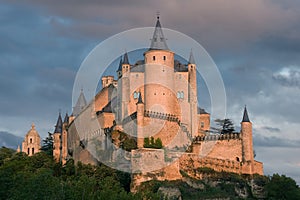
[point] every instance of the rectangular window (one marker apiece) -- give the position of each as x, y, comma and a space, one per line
202, 124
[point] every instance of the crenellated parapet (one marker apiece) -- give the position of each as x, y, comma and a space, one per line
163, 116
229, 136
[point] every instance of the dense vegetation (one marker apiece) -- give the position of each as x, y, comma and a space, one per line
39, 177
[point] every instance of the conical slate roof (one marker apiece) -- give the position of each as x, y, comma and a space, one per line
158, 40
58, 126
66, 120
125, 59
245, 116
81, 103
120, 65
191, 59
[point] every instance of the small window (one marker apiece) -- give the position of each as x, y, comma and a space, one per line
28, 151
202, 124
32, 151
182, 95
164, 57
153, 57
238, 159
163, 93
136, 95
30, 140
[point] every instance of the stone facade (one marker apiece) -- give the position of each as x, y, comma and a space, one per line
32, 142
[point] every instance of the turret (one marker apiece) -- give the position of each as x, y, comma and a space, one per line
192, 79
119, 71
125, 65
247, 141
159, 75
57, 139
140, 121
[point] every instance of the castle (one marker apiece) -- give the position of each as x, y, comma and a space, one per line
152, 99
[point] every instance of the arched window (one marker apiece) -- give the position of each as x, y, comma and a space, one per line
30, 140
164, 57
28, 151
32, 151
153, 57
136, 95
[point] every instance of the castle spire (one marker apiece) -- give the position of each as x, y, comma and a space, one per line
245, 116
66, 120
191, 59
58, 126
125, 59
120, 65
158, 40
80, 104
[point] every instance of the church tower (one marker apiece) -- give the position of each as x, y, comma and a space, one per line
159, 75
57, 145
32, 142
247, 142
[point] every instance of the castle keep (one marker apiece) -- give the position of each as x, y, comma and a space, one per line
154, 97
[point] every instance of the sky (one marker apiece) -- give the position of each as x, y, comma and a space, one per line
255, 44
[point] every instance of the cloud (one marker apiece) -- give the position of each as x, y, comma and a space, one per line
288, 76
263, 141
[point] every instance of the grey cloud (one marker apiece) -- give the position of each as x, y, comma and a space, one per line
271, 129
263, 141
288, 76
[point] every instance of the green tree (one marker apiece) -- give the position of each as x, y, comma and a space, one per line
225, 126
47, 145
5, 153
282, 187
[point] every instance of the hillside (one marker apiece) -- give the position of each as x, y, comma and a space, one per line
9, 140
39, 177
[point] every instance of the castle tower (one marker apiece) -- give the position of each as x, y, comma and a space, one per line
32, 142
57, 142
119, 71
80, 104
159, 75
247, 141
64, 138
125, 86
192, 80
140, 122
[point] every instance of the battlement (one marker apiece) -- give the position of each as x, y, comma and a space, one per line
163, 116
230, 136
